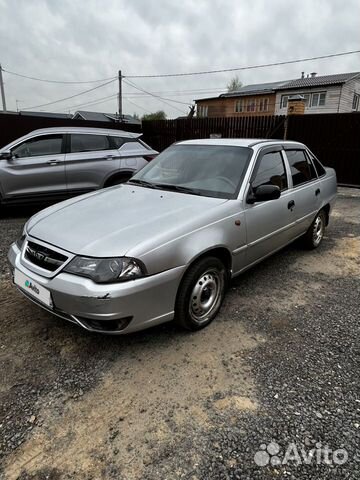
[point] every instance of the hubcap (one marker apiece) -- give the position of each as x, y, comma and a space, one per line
206, 295
318, 230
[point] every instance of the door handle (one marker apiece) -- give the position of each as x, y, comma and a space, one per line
108, 157
52, 162
291, 205
317, 191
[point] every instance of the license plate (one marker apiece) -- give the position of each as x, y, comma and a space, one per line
32, 288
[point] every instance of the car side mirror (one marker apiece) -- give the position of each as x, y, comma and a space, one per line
263, 193
6, 155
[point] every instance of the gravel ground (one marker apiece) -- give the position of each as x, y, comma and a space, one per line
272, 380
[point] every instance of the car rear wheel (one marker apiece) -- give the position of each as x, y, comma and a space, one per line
315, 234
201, 294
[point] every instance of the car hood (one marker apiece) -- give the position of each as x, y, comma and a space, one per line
111, 222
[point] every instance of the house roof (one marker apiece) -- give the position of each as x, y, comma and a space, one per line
255, 89
307, 82
272, 87
105, 117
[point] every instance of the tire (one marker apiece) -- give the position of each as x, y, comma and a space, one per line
201, 294
315, 234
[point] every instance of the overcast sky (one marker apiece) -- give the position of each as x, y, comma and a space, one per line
82, 40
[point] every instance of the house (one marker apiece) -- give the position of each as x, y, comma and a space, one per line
339, 93
104, 117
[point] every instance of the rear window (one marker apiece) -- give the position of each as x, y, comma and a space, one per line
119, 141
319, 168
89, 143
301, 168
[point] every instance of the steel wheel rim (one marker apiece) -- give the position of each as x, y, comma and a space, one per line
206, 295
318, 230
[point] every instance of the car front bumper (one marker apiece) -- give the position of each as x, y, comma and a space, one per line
117, 308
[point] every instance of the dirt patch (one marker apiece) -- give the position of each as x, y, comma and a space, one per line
236, 402
342, 260
142, 405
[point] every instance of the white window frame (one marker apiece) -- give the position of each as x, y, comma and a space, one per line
203, 111
355, 102
239, 106
318, 95
284, 101
264, 104
251, 105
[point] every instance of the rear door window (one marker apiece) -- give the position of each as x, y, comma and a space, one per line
89, 143
302, 170
39, 146
271, 171
319, 168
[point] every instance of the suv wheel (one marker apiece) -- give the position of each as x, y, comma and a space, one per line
201, 294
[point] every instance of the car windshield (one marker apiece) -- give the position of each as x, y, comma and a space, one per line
209, 170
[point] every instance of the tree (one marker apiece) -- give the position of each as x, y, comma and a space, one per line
159, 115
234, 84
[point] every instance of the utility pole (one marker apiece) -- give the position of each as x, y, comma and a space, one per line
2, 90
120, 96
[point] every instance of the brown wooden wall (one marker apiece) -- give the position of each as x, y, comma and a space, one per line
225, 107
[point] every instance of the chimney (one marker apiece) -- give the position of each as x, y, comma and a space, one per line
302, 74
313, 74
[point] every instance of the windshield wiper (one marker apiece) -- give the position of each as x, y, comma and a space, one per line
143, 183
165, 186
177, 188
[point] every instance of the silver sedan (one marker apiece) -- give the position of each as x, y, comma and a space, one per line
199, 214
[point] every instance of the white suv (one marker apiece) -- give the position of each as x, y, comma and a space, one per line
56, 163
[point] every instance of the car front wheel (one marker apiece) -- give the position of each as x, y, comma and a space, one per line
201, 294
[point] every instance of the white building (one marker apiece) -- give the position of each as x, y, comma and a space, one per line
339, 93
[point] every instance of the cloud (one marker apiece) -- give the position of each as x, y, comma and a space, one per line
78, 40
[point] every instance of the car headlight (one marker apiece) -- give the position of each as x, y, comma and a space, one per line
20, 241
106, 270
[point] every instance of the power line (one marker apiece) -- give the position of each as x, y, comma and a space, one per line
72, 96
64, 82
92, 102
156, 96
138, 106
249, 67
153, 94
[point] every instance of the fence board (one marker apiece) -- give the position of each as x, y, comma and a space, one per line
335, 140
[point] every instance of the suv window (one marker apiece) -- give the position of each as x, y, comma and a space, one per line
271, 171
301, 168
37, 146
118, 141
89, 143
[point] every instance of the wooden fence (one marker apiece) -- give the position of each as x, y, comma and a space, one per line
334, 138
162, 133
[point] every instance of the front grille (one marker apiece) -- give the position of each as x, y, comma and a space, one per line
44, 257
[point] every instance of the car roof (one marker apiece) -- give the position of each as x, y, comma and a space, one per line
88, 130
238, 142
